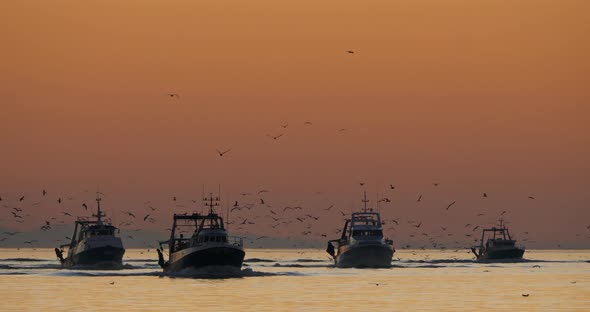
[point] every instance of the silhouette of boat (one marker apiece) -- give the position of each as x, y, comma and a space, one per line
93, 243
361, 244
209, 245
498, 246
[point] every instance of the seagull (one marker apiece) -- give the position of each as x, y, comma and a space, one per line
285, 125
59, 200
173, 95
485, 195
22, 198
343, 214
263, 191
222, 153
112, 283
66, 213
85, 206
419, 198
131, 214
451, 204
531, 197
503, 212
275, 137
146, 216
391, 187
44, 192
435, 184
525, 295
418, 225
308, 123
350, 52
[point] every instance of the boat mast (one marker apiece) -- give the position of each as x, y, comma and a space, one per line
365, 201
99, 213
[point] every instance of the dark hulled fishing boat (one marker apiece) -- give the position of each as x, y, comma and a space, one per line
93, 243
498, 246
362, 244
208, 246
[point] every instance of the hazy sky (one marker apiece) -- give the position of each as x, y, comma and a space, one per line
479, 96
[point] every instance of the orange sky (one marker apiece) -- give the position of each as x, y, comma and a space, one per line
480, 96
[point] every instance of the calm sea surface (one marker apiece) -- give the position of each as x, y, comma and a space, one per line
303, 280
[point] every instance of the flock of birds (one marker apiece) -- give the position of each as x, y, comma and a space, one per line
253, 212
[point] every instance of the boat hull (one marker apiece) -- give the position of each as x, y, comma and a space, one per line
508, 254
194, 258
365, 256
100, 257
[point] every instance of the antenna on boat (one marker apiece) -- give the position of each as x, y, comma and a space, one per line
365, 201
99, 213
211, 202
202, 196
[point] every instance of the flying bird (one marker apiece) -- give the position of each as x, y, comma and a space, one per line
44, 193
274, 137
285, 125
419, 198
173, 95
222, 153
531, 197
146, 216
66, 213
391, 187
485, 195
349, 51
22, 198
451, 204
85, 206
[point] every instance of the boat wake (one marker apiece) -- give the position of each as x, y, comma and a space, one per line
22, 260
222, 272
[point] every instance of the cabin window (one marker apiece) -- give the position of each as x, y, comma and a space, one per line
367, 233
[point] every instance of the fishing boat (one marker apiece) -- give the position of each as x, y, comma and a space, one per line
94, 243
498, 246
208, 246
362, 244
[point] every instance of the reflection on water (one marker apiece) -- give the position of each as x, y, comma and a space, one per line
293, 280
